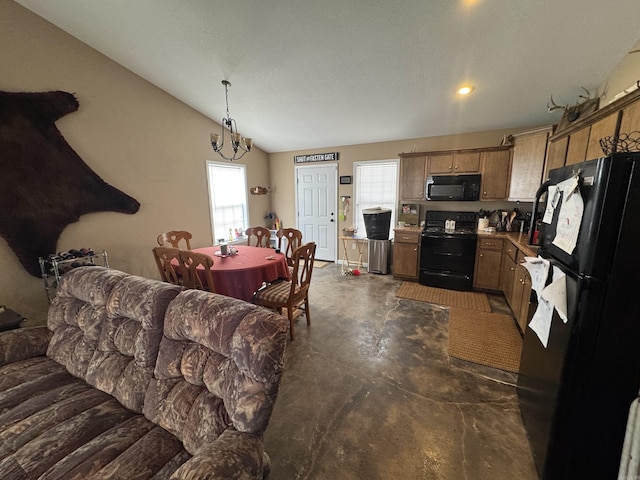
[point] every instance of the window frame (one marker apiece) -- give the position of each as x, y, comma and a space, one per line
209, 164
358, 219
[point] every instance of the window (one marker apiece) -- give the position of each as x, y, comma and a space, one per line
376, 185
227, 198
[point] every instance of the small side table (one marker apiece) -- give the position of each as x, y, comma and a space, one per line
9, 319
346, 263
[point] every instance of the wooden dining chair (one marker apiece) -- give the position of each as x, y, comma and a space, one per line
168, 271
293, 239
174, 237
262, 236
194, 277
292, 294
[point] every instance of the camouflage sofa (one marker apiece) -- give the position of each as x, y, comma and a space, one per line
138, 379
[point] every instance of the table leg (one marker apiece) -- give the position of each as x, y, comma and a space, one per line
345, 258
360, 244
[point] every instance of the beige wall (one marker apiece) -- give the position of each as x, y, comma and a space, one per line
282, 169
134, 135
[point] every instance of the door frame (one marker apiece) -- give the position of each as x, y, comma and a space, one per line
298, 168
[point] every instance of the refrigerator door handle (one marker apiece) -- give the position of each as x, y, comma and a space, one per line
541, 191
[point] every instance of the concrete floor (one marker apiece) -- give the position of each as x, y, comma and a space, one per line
370, 392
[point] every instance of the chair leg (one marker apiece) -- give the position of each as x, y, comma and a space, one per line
290, 315
307, 312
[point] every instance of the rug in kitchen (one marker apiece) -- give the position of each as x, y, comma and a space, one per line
490, 339
441, 296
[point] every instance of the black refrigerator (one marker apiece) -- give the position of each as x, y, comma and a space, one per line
575, 394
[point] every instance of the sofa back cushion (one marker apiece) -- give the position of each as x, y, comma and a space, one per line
107, 329
76, 316
219, 366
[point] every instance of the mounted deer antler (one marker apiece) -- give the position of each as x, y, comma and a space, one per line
584, 99
572, 113
551, 106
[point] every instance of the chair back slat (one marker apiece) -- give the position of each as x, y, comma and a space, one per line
194, 277
258, 235
174, 238
293, 239
169, 272
303, 258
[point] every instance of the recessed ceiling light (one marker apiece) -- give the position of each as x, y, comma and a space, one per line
466, 89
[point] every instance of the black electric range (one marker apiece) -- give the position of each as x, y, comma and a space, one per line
448, 249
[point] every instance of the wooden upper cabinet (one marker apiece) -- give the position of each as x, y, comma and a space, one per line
577, 149
580, 141
454, 163
495, 168
412, 178
466, 162
630, 121
441, 163
556, 153
602, 128
529, 153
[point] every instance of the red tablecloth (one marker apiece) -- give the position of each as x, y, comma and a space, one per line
240, 275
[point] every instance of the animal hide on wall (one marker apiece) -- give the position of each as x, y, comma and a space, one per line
44, 184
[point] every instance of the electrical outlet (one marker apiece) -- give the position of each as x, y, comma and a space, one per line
353, 246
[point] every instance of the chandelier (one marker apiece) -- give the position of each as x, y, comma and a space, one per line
238, 143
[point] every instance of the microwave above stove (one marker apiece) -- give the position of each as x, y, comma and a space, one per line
453, 188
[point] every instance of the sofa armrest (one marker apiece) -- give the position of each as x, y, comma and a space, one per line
23, 343
232, 456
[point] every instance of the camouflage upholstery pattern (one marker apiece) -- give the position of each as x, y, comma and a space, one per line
141, 379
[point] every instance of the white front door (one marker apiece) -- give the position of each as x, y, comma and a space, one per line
316, 205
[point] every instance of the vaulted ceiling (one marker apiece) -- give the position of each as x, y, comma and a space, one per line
342, 72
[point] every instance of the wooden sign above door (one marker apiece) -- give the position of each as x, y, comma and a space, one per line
317, 157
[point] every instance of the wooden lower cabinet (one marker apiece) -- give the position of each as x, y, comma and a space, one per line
406, 249
521, 297
488, 264
516, 284
508, 270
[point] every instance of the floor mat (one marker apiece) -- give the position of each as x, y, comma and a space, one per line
441, 296
490, 339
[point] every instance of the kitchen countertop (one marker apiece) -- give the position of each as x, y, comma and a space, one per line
519, 240
408, 229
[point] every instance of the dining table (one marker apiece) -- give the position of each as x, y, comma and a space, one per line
242, 274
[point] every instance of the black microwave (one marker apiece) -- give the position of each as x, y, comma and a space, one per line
453, 188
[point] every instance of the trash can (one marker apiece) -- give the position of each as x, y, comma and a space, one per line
379, 251
377, 222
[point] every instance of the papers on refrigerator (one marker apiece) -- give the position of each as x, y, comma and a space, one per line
539, 271
556, 293
552, 297
570, 216
553, 197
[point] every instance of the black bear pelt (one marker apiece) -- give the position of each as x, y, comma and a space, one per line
44, 184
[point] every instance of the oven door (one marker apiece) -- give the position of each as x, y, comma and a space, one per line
447, 261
